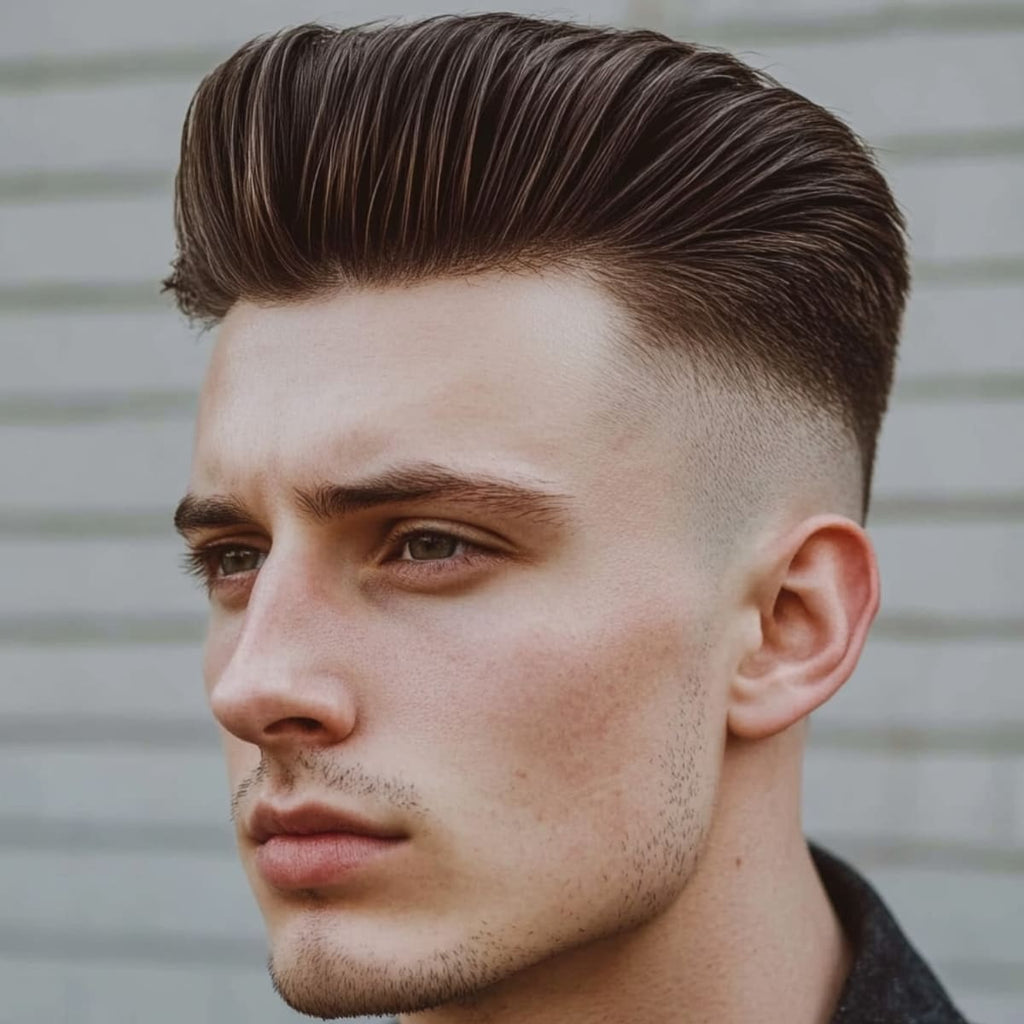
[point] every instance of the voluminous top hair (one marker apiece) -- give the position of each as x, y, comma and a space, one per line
730, 218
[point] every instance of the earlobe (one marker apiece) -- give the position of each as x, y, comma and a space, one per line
816, 596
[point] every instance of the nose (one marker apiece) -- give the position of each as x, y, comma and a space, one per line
282, 672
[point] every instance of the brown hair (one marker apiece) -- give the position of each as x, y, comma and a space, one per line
729, 217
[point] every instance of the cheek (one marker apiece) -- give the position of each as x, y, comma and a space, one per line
575, 708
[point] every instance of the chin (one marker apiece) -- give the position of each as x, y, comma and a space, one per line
327, 968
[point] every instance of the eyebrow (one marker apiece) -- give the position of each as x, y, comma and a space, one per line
327, 502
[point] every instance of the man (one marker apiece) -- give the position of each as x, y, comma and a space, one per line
528, 490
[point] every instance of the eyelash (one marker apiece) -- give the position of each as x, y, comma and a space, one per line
201, 562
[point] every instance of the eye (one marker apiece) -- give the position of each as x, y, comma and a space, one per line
417, 554
232, 560
426, 556
222, 562
429, 545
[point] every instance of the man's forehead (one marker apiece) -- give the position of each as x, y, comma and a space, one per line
555, 311
456, 347
501, 370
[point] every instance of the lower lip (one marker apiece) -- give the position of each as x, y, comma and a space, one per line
303, 862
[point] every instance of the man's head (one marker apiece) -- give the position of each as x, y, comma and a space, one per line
550, 369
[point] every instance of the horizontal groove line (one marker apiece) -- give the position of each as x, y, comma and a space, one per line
101, 524
969, 272
954, 144
937, 387
47, 72
160, 950
875, 852
988, 976
90, 630
1003, 739
948, 18
76, 408
20, 832
45, 184
930, 508
67, 731
909, 626
74, 296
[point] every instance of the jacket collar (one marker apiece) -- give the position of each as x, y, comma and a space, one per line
889, 982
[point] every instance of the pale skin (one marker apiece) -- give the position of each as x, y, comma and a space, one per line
592, 742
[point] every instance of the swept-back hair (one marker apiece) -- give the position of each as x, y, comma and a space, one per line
730, 218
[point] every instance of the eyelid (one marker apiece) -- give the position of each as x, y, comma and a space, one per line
200, 559
402, 532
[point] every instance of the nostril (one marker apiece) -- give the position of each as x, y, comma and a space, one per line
301, 724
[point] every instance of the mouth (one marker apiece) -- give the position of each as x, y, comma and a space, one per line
313, 845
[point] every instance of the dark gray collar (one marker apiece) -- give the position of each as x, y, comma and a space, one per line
889, 982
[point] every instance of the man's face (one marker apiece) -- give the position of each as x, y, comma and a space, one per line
520, 688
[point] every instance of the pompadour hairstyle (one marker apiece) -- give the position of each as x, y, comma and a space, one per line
730, 218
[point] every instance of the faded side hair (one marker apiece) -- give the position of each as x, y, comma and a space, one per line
730, 218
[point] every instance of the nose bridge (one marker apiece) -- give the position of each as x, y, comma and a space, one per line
280, 608
280, 674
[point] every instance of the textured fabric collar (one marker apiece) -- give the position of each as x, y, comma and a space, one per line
889, 982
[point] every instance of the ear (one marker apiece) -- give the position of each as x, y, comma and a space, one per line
815, 593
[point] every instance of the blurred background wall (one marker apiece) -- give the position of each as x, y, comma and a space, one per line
120, 896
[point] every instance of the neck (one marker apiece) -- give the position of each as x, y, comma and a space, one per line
751, 936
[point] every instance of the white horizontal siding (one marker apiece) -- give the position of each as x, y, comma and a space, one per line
119, 784
54, 353
57, 129
62, 27
114, 125
949, 448
962, 208
105, 992
932, 684
987, 1006
101, 240
130, 682
957, 800
916, 767
894, 83
97, 465
965, 331
702, 12
184, 894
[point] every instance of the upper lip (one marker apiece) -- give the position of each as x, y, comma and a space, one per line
308, 819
